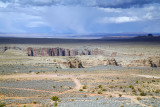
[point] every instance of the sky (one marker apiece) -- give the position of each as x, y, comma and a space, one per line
50, 18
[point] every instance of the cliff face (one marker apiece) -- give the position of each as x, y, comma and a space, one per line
149, 62
113, 58
62, 52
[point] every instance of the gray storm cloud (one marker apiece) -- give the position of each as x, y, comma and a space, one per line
92, 3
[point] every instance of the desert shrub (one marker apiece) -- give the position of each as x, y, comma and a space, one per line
96, 98
84, 87
134, 90
122, 106
93, 91
104, 89
85, 96
112, 80
80, 89
139, 98
2, 104
34, 102
55, 98
37, 72
143, 93
72, 99
99, 86
137, 82
99, 92
110, 96
120, 87
139, 90
131, 86
55, 104
124, 90
120, 95
157, 91
153, 81
117, 77
61, 86
54, 86
153, 97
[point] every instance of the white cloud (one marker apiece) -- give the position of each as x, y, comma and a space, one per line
122, 19
3, 5
115, 10
71, 19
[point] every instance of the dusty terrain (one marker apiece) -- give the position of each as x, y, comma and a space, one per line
94, 75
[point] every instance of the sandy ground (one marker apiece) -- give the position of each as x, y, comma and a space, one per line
147, 76
78, 84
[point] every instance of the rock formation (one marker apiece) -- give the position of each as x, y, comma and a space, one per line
149, 62
75, 63
62, 52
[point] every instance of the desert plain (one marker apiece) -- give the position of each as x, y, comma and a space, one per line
80, 74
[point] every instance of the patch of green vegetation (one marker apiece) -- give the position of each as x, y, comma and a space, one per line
120, 95
153, 81
99, 86
131, 86
34, 102
143, 93
157, 91
134, 91
72, 99
120, 87
139, 90
2, 104
137, 82
93, 91
104, 89
124, 90
99, 92
139, 98
117, 77
55, 98
80, 89
84, 87
37, 72
110, 96
153, 97
55, 104
96, 98
122, 106
54, 86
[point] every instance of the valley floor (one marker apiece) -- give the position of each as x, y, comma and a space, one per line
107, 88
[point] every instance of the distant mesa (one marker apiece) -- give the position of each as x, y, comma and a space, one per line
62, 52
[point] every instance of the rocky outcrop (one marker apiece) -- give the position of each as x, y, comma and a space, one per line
111, 62
72, 63
149, 62
75, 63
5, 48
95, 62
62, 52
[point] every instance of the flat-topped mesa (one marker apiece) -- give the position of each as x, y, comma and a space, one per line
62, 52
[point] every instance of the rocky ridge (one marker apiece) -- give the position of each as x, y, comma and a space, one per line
87, 57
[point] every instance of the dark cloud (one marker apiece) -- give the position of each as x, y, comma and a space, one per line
91, 3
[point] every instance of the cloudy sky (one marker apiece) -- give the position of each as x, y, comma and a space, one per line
79, 16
